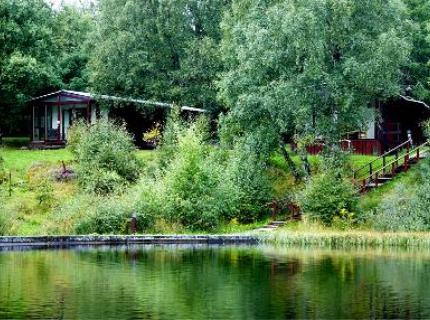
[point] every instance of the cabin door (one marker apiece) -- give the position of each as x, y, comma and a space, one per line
392, 134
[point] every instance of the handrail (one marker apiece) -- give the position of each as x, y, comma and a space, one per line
382, 156
410, 152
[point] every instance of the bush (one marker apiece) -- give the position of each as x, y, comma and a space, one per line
406, 208
328, 196
397, 212
86, 214
189, 189
247, 174
105, 155
201, 185
74, 135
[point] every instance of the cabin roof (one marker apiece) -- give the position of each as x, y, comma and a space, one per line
86, 97
412, 100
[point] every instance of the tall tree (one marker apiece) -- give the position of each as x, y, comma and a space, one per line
72, 29
27, 56
418, 72
310, 67
166, 50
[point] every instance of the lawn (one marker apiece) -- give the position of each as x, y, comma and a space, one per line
19, 161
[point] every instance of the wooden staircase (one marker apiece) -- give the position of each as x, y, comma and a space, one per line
273, 225
383, 169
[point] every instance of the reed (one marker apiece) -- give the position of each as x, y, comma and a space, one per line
345, 239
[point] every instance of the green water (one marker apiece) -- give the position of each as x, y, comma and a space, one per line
201, 282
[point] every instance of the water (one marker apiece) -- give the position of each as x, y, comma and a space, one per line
201, 282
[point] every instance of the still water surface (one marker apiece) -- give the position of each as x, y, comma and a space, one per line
204, 282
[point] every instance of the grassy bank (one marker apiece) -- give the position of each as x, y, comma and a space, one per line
345, 239
33, 198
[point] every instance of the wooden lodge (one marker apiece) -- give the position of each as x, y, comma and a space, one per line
394, 122
54, 113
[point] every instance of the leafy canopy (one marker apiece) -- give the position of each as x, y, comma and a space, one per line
310, 66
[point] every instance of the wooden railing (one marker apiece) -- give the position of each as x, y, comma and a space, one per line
391, 162
374, 165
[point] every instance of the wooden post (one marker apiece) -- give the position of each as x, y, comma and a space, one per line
384, 162
88, 112
133, 223
418, 155
33, 123
46, 123
59, 119
370, 169
406, 162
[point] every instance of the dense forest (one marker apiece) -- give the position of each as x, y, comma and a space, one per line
275, 59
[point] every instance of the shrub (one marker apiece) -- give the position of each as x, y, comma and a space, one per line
86, 214
173, 129
190, 190
328, 195
44, 192
74, 135
106, 159
247, 174
201, 185
405, 209
397, 212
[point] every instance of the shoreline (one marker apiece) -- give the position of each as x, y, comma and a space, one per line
346, 239
317, 239
74, 240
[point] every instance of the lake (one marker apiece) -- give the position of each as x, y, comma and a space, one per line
213, 282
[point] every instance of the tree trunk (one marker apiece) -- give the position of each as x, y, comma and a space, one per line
290, 162
305, 161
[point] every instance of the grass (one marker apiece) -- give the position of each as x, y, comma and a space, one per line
29, 216
30, 169
370, 200
329, 238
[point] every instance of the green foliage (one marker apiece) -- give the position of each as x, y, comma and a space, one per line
106, 159
247, 173
418, 71
189, 190
174, 128
286, 65
166, 51
3, 176
44, 192
88, 214
398, 212
202, 186
28, 57
407, 207
74, 135
4, 223
72, 29
328, 196
110, 216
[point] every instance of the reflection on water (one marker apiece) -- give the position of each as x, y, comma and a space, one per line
200, 282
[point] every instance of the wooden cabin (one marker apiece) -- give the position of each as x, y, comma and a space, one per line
54, 113
393, 123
